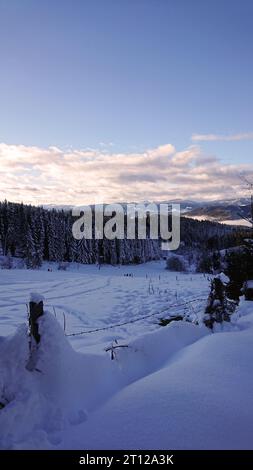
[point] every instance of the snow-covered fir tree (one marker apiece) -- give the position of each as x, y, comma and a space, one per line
37, 234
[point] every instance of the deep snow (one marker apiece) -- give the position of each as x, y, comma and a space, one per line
91, 297
178, 386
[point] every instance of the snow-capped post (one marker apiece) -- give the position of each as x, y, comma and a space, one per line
35, 311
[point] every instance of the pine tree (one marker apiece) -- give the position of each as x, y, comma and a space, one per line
219, 307
31, 257
38, 233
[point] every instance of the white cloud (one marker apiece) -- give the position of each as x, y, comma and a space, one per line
38, 175
162, 151
220, 137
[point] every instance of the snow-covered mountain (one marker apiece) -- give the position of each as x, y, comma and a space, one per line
230, 206
233, 212
228, 211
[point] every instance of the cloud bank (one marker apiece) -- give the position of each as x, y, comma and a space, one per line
53, 176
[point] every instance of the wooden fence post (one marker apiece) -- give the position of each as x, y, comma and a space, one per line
35, 311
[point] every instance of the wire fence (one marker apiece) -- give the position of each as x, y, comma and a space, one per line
135, 320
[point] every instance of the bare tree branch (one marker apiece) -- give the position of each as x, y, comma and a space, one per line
249, 187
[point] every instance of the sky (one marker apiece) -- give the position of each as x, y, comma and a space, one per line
122, 100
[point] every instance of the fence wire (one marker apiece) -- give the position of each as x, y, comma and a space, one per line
135, 320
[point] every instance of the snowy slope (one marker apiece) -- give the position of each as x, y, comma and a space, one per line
201, 399
46, 408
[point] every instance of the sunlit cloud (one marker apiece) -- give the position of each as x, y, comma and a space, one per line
87, 176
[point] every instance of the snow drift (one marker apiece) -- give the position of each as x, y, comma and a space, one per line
66, 386
178, 387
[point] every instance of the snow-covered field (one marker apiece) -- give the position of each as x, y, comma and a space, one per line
94, 298
177, 386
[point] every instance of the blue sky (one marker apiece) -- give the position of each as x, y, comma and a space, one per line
134, 73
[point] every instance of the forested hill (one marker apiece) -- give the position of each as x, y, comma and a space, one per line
38, 234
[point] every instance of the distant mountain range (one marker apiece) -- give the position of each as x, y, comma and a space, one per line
228, 211
234, 212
